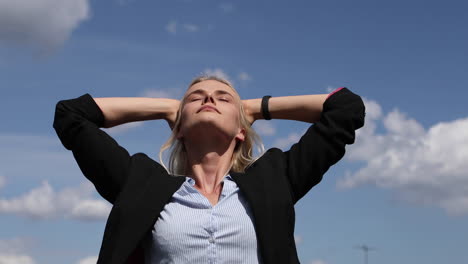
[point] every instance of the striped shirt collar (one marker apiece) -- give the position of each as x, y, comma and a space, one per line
189, 186
192, 181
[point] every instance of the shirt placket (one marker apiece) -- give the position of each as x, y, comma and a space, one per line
213, 219
212, 236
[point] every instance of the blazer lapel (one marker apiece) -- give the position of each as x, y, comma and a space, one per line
156, 195
253, 188
143, 213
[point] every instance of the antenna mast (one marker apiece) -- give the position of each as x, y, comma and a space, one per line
366, 250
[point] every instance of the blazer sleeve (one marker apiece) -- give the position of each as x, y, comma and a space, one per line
324, 142
100, 158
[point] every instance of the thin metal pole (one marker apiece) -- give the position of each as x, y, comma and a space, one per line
366, 249
366, 255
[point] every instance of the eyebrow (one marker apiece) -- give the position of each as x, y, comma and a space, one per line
200, 91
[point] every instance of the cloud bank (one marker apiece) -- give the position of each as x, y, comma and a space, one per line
43, 24
285, 143
44, 202
12, 251
425, 167
173, 27
88, 260
264, 128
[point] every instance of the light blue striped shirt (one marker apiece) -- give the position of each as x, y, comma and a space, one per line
191, 230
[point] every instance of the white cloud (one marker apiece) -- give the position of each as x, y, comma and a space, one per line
318, 262
226, 7
15, 259
264, 127
173, 93
90, 210
425, 167
88, 260
171, 27
43, 24
44, 202
373, 111
123, 127
330, 89
37, 203
286, 142
2, 181
12, 251
297, 239
46, 157
243, 76
191, 27
217, 72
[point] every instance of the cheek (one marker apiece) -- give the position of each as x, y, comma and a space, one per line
183, 118
185, 113
234, 119
237, 114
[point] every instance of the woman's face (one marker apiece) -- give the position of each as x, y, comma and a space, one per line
211, 106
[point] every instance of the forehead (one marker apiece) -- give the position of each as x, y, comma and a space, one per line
211, 86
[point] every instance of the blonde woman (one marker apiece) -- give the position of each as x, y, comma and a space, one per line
214, 202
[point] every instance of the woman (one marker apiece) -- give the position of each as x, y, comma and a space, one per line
215, 203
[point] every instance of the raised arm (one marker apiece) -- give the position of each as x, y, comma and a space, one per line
100, 158
336, 117
120, 110
306, 108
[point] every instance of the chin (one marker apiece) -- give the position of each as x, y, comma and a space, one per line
207, 129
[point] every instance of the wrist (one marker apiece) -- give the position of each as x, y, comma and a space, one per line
253, 108
170, 109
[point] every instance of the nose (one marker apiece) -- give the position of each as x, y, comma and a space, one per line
208, 98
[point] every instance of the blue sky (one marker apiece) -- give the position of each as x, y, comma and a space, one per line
402, 188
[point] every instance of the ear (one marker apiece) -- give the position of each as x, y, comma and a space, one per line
179, 135
241, 134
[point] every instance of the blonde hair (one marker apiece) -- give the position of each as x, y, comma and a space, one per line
242, 156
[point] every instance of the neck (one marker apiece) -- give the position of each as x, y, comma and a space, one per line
209, 160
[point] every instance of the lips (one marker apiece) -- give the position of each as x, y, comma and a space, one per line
207, 107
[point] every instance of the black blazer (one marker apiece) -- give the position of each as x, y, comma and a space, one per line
139, 187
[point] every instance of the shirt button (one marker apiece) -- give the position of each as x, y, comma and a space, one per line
211, 240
